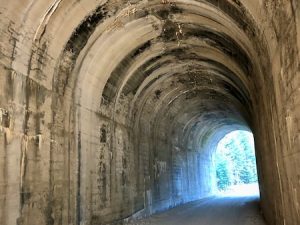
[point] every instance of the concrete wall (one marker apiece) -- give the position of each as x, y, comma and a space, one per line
110, 109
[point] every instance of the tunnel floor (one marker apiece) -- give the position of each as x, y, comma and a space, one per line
212, 211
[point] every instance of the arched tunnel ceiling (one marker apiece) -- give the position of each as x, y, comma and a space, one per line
166, 56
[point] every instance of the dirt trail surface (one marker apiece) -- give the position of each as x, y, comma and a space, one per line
213, 211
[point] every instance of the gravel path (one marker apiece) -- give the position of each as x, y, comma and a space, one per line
213, 211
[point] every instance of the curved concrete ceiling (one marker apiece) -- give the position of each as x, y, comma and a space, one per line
157, 54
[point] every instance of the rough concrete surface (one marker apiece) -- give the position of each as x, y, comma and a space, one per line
112, 109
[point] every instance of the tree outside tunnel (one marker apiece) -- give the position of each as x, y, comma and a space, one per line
236, 163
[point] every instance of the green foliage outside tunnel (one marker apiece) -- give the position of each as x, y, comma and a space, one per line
235, 160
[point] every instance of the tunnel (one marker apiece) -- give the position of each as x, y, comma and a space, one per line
113, 109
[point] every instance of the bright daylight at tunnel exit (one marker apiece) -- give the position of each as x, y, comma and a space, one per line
235, 162
149, 112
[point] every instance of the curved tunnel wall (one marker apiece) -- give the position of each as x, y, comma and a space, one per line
111, 109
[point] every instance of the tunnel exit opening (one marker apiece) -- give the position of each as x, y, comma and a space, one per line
235, 161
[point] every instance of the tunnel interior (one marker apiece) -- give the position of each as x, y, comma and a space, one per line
113, 109
168, 100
